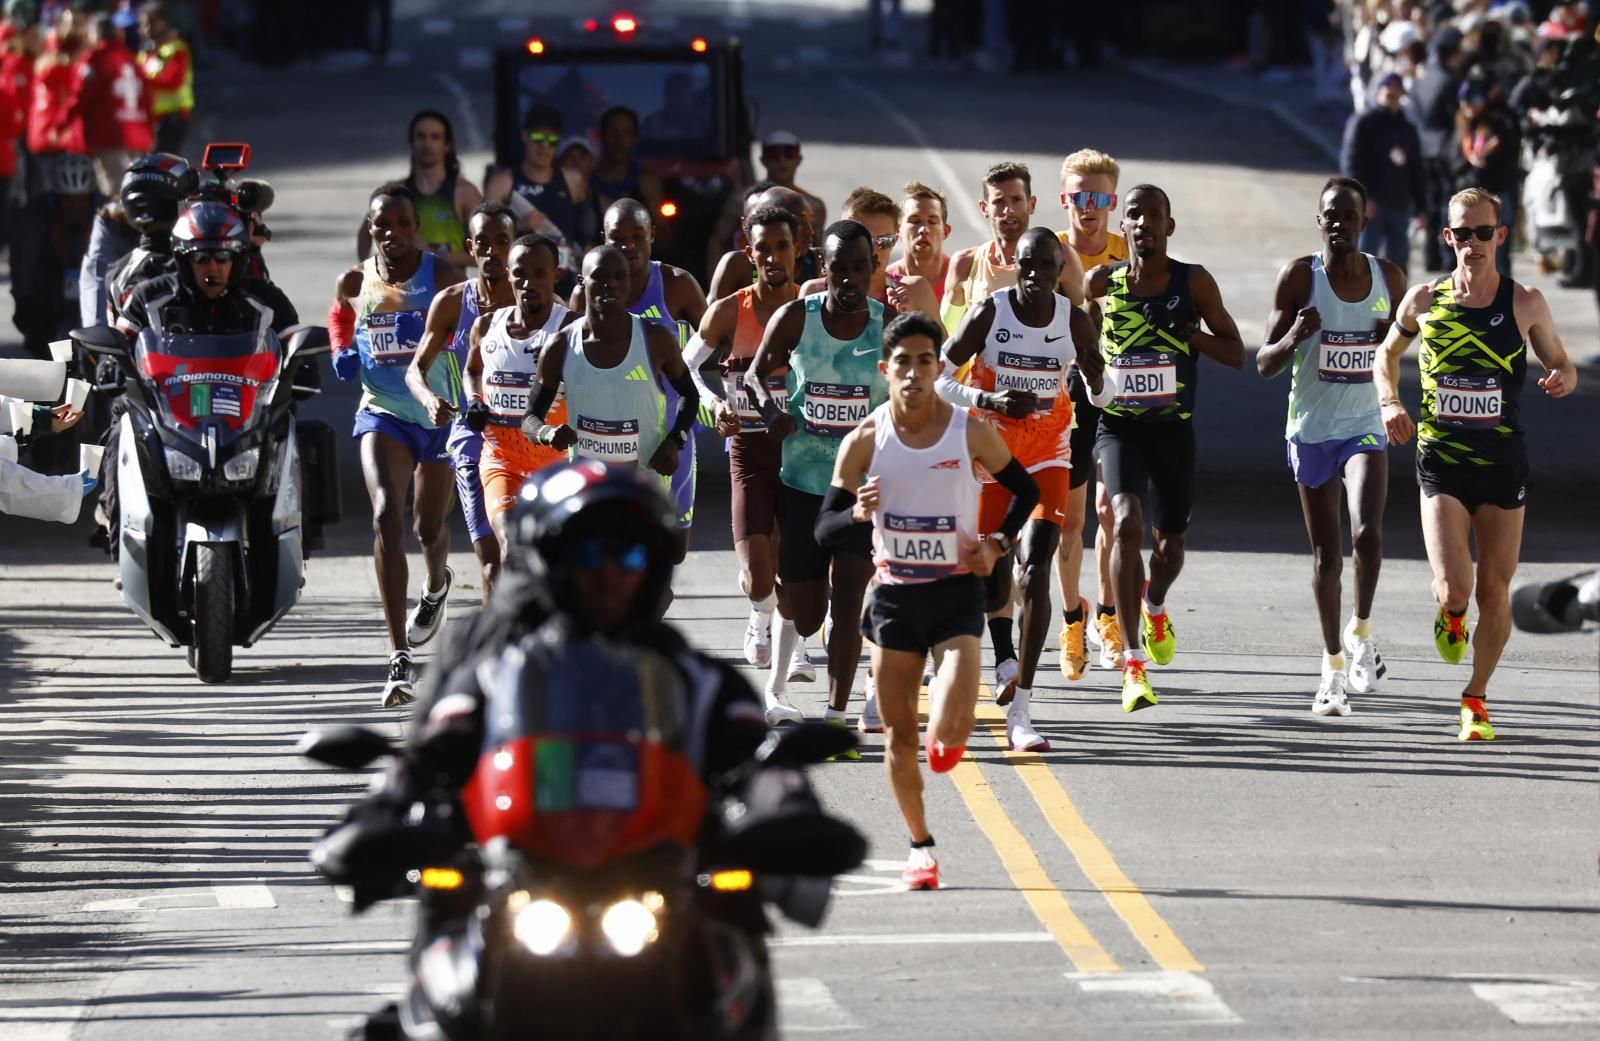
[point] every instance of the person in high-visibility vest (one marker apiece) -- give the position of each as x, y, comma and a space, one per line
167, 66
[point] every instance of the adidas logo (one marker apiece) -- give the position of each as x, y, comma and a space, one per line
651, 312
637, 375
1370, 439
1381, 305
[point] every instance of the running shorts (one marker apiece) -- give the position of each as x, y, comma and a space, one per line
465, 447
919, 617
1155, 456
1316, 463
683, 481
426, 444
1055, 484
800, 559
753, 463
1502, 484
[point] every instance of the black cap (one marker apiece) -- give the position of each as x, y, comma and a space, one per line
1447, 40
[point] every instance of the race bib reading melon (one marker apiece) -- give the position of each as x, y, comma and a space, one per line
744, 406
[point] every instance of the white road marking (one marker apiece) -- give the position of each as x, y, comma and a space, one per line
1181, 996
473, 58
806, 1006
471, 132
1546, 1003
348, 947
190, 898
41, 1023
905, 939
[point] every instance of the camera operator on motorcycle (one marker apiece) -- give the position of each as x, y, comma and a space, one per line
152, 191
208, 294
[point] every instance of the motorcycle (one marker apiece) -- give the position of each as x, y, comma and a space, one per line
209, 483
577, 886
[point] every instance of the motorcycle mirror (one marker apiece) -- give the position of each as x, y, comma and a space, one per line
805, 744
800, 843
1548, 607
346, 748
102, 339
305, 341
803, 899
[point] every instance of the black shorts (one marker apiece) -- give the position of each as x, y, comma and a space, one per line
1086, 427
1502, 484
800, 559
919, 616
1140, 455
753, 462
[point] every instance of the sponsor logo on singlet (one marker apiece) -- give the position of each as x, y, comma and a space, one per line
1467, 402
611, 440
1346, 357
920, 547
393, 336
835, 409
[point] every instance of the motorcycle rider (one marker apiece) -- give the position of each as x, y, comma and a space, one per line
152, 190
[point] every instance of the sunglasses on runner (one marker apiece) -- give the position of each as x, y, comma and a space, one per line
782, 151
589, 553
885, 241
540, 137
1092, 200
1485, 232
212, 256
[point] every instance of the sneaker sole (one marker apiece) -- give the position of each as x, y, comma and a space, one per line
1331, 710
863, 728
1141, 702
1003, 696
417, 641
757, 661
398, 699
1041, 746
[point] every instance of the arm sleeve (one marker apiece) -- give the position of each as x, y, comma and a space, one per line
1108, 388
1024, 496
695, 355
835, 519
957, 393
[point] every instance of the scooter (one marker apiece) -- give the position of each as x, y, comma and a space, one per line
209, 483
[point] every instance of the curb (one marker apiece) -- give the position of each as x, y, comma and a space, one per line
1278, 109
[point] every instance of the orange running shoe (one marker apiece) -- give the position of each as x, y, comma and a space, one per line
942, 758
1474, 721
921, 870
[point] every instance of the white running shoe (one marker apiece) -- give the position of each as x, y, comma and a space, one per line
758, 639
779, 711
801, 668
1006, 674
399, 689
1366, 664
1020, 732
869, 721
1331, 699
429, 614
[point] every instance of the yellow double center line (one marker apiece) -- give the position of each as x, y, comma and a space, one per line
1094, 859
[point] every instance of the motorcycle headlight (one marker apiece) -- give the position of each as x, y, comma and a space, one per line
242, 467
543, 926
629, 926
182, 467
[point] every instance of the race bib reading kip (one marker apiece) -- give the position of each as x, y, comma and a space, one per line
393, 336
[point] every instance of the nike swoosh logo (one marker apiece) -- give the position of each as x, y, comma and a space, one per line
863, 354
1053, 339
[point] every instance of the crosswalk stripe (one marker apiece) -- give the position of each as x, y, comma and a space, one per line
1543, 1003
806, 1005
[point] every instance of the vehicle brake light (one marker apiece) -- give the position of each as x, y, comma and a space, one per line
669, 209
698, 45
623, 24
535, 46
591, 25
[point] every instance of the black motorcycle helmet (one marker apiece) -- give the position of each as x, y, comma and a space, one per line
588, 497
205, 226
153, 188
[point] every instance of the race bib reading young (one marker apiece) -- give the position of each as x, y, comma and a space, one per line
506, 394
920, 548
392, 337
609, 440
1346, 357
835, 409
1030, 373
744, 406
1467, 402
1146, 380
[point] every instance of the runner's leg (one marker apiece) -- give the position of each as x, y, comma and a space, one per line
1446, 531
1366, 479
1040, 539
387, 466
953, 695
899, 675
851, 572
435, 494
1321, 508
1499, 536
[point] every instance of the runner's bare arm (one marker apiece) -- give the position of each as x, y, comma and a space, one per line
733, 272
777, 341
546, 380
961, 348
1386, 367
472, 373
1289, 324
1539, 330
955, 281
1220, 339
346, 359
1086, 346
443, 314
918, 296
712, 342
1094, 291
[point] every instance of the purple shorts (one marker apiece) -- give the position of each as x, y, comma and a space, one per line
427, 445
1319, 462
465, 447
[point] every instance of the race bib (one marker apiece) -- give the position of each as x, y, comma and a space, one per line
744, 406
1467, 402
1031, 373
392, 337
506, 394
609, 440
920, 548
1146, 380
835, 409
1346, 357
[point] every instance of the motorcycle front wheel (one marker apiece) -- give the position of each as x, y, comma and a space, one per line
213, 613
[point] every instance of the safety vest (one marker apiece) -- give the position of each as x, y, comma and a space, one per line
166, 102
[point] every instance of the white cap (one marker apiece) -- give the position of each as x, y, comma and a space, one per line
780, 139
575, 139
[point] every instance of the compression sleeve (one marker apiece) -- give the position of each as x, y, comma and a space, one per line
540, 398
341, 325
835, 518
1108, 388
956, 392
695, 355
1024, 496
688, 402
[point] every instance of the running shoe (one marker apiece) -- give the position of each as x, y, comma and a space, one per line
1451, 635
1331, 699
801, 668
429, 614
758, 639
780, 711
1020, 732
1366, 664
1006, 675
1106, 634
942, 758
1159, 636
1475, 721
852, 753
921, 870
398, 689
869, 721
1074, 655
1136, 691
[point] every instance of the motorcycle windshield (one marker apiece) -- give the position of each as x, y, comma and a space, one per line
585, 758
209, 379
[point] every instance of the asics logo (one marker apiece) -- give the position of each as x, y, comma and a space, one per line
1172, 304
1496, 320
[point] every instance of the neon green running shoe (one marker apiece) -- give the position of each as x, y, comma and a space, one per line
1159, 636
1474, 721
1136, 691
853, 754
1451, 635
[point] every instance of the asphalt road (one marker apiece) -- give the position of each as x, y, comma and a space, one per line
1225, 866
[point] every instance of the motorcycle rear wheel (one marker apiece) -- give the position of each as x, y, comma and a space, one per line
213, 614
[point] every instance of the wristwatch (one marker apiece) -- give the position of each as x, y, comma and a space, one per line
1004, 541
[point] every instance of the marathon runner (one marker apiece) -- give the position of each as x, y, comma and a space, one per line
608, 366
730, 332
1088, 194
544, 197
1151, 337
924, 226
666, 296
1329, 313
1472, 460
376, 325
881, 217
909, 471
1021, 342
830, 343
491, 228
502, 361
736, 271
445, 199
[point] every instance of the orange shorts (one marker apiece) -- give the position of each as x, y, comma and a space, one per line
502, 473
1055, 484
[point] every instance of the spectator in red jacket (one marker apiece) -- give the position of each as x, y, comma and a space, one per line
19, 47
52, 129
111, 102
